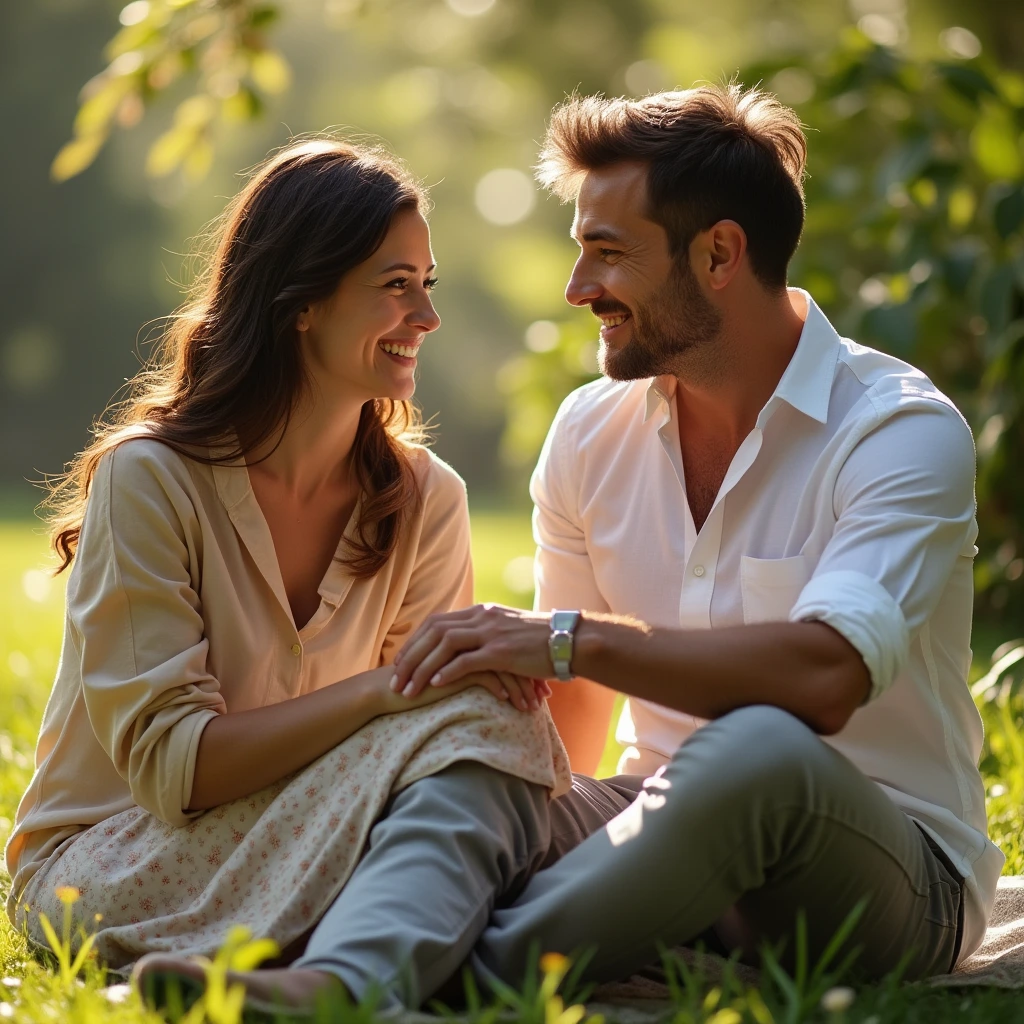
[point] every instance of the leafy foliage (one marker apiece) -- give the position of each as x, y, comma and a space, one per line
222, 44
915, 231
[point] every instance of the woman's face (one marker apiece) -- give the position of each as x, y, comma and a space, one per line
363, 342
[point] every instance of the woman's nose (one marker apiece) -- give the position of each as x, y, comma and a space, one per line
425, 317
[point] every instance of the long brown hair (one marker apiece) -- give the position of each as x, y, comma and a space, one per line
228, 371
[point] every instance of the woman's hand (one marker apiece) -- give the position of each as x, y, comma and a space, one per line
524, 694
484, 638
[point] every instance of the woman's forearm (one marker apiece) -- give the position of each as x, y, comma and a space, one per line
243, 752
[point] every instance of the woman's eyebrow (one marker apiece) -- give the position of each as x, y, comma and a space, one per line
405, 266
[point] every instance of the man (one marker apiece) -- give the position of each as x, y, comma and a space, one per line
765, 534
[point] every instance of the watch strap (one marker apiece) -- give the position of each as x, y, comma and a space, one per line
560, 643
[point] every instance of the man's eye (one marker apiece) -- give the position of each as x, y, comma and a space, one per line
606, 253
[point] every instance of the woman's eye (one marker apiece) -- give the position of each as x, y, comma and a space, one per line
430, 284
398, 282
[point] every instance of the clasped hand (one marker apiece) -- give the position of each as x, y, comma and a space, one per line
509, 642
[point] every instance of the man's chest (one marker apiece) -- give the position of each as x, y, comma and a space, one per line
759, 526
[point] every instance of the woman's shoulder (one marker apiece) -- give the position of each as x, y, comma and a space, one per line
140, 464
441, 488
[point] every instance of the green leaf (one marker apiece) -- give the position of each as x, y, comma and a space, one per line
995, 144
75, 156
244, 105
167, 153
968, 80
995, 301
95, 113
1008, 213
195, 112
262, 17
270, 71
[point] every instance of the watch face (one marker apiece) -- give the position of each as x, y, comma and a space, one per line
561, 647
562, 620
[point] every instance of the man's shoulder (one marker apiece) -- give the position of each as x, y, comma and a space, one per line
593, 403
890, 384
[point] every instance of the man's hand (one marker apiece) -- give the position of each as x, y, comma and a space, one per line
482, 638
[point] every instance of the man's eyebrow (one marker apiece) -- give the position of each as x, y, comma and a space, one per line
598, 235
405, 266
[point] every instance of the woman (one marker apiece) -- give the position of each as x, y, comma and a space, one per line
253, 536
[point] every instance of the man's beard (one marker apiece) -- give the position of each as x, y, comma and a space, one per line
665, 330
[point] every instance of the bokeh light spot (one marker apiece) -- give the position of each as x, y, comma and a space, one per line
135, 13
960, 42
505, 196
471, 8
542, 336
518, 575
36, 585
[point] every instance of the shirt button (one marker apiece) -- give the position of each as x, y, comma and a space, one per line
296, 649
698, 570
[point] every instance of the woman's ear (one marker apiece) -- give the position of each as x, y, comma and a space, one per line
302, 320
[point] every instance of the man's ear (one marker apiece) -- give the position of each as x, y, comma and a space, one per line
721, 250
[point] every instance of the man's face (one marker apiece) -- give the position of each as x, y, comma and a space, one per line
652, 309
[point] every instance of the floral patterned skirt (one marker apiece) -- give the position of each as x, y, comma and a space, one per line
276, 860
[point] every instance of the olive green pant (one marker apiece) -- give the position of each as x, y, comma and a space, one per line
754, 821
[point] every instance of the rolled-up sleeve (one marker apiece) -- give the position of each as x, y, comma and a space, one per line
562, 569
905, 511
139, 628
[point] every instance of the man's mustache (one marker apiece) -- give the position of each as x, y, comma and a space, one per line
604, 307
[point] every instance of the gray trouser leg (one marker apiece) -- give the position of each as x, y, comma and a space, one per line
754, 820
447, 849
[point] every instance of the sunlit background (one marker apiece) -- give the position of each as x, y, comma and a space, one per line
914, 115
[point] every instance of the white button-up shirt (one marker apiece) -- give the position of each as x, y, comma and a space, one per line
850, 502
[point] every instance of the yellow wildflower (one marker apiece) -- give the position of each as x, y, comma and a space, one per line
68, 894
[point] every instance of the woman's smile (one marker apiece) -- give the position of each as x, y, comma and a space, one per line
400, 351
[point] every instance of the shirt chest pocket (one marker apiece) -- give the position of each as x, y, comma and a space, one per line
770, 586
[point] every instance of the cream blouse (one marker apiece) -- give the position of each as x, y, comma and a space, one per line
177, 612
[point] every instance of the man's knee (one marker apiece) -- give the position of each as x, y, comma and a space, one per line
755, 749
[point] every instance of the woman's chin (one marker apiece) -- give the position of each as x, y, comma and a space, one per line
399, 390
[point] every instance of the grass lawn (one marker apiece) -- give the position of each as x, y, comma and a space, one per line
30, 625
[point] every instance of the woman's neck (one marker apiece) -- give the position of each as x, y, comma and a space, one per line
314, 451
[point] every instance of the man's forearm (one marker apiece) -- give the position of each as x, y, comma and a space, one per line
805, 668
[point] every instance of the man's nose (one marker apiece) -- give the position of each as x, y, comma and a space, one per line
582, 288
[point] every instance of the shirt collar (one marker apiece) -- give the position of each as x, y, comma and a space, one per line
806, 384
660, 392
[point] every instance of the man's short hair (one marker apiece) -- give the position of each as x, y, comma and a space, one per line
713, 153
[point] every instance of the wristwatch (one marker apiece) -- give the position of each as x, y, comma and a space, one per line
563, 625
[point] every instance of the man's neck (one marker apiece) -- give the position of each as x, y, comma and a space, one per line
721, 394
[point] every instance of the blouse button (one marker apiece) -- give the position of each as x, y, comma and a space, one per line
296, 649
698, 570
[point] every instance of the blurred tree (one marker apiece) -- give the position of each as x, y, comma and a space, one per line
915, 196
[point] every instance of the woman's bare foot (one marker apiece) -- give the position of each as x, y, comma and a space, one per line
285, 988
